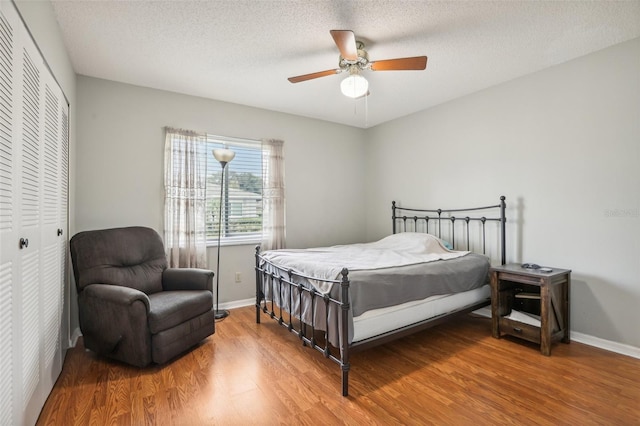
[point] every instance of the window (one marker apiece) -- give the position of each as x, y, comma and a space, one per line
241, 219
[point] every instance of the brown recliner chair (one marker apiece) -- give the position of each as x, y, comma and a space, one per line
131, 306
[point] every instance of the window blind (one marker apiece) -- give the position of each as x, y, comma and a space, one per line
240, 194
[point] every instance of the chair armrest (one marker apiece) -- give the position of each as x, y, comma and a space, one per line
114, 322
116, 294
176, 279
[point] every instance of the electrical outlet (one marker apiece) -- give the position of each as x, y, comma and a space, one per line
238, 277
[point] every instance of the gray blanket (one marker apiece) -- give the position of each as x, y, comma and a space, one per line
380, 288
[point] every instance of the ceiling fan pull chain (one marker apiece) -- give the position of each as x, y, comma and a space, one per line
366, 112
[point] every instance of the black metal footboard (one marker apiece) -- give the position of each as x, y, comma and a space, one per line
282, 294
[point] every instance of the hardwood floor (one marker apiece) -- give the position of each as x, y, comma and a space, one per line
453, 374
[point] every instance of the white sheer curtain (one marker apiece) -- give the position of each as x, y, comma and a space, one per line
273, 226
185, 176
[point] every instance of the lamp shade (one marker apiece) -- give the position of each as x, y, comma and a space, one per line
223, 155
354, 86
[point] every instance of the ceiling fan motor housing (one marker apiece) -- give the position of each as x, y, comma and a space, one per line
362, 62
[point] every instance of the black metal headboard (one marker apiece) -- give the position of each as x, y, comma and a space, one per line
399, 215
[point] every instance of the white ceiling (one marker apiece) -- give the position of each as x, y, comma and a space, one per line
242, 51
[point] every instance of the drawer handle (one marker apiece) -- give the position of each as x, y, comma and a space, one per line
517, 329
24, 243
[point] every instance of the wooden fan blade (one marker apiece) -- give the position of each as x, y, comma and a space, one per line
313, 75
414, 63
346, 42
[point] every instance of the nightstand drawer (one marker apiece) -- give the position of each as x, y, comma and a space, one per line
519, 329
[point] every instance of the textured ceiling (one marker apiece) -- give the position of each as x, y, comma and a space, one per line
242, 51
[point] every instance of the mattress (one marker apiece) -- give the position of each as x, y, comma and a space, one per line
378, 321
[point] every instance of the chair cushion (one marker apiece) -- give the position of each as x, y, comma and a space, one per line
168, 309
129, 257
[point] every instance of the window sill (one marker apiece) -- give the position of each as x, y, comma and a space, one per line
228, 242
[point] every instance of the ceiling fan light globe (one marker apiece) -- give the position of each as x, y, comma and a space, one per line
354, 86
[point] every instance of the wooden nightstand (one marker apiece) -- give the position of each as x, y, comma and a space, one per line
531, 304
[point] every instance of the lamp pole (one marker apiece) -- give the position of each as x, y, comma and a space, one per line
224, 156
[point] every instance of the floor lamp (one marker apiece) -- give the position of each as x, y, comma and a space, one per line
223, 156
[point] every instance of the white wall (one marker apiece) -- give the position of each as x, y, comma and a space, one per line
563, 145
120, 167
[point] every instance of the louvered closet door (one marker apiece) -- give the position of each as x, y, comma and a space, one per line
33, 197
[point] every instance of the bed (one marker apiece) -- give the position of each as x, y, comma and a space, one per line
343, 299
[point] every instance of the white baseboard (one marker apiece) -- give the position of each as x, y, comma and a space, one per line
587, 339
75, 335
238, 303
608, 345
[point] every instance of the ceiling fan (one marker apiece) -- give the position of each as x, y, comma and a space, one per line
355, 59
